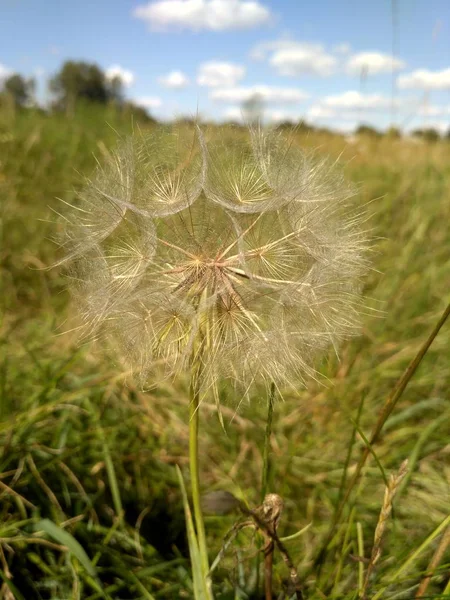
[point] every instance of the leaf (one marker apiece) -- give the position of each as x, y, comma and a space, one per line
66, 539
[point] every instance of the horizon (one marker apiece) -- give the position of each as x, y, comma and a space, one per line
381, 65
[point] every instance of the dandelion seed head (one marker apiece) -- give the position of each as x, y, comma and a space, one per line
246, 257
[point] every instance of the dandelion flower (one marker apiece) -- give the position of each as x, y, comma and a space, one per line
244, 258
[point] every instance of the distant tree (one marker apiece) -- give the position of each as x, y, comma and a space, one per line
367, 130
429, 134
393, 132
21, 90
80, 81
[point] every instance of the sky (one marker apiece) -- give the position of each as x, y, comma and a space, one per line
334, 63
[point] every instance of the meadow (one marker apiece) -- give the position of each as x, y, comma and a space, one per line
90, 505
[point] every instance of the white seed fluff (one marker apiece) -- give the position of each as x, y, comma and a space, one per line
242, 255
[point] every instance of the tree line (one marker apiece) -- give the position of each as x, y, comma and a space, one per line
75, 82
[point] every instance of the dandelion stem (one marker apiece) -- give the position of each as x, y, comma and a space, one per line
194, 466
268, 553
267, 437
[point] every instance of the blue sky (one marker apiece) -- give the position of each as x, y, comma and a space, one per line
333, 62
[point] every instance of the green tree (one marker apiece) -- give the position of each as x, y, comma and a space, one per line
429, 134
393, 132
80, 81
367, 130
21, 90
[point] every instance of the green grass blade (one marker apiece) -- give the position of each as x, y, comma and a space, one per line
115, 492
66, 539
371, 450
11, 586
267, 437
201, 591
412, 558
360, 539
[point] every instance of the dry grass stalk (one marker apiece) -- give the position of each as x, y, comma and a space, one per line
389, 494
434, 563
266, 519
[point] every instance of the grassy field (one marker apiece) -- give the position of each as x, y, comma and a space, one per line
89, 500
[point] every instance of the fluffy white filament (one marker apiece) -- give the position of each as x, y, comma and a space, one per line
242, 255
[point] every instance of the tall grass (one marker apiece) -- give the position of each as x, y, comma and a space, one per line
84, 450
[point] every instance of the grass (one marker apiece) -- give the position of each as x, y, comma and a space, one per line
90, 504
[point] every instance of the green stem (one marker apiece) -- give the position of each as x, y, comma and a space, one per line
267, 437
194, 469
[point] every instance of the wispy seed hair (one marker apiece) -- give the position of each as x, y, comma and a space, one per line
245, 255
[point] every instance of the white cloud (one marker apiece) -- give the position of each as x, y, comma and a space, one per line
374, 62
318, 111
39, 72
235, 113
278, 116
127, 77
148, 101
4, 72
223, 74
304, 59
423, 79
263, 49
215, 15
292, 58
265, 92
433, 110
175, 80
343, 48
355, 100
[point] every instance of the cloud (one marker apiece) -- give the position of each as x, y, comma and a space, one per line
263, 49
433, 110
304, 59
148, 101
197, 15
343, 48
266, 93
235, 113
292, 58
423, 79
127, 77
278, 116
374, 62
4, 72
317, 111
219, 74
175, 80
355, 100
